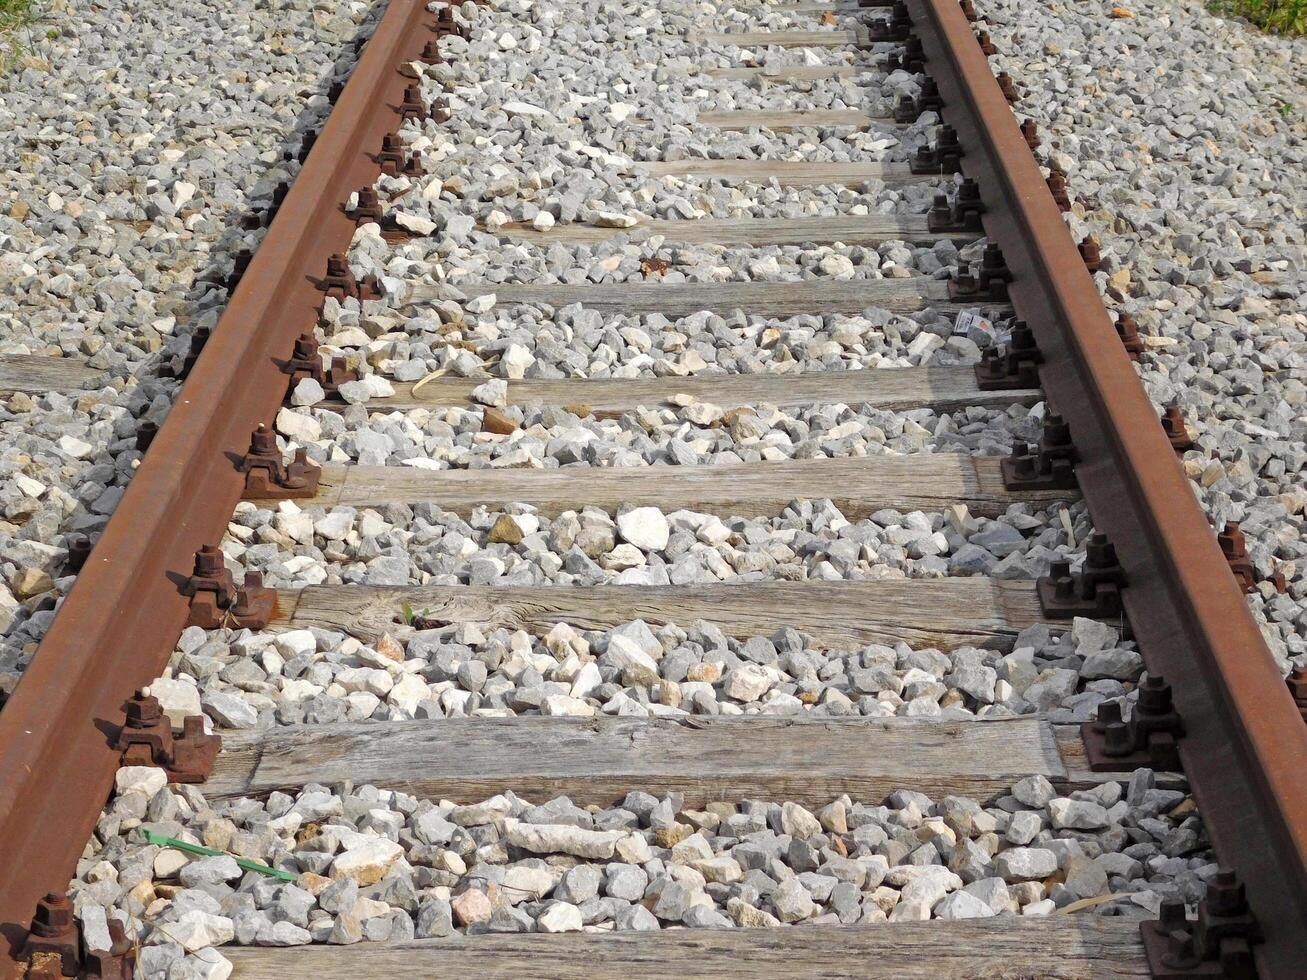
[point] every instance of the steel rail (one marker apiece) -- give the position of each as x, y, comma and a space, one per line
1245, 745
117, 627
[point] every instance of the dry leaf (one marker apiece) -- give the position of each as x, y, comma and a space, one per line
656, 266
1121, 13
828, 18
438, 372
1089, 903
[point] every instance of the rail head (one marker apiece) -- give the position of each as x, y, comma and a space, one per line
1245, 748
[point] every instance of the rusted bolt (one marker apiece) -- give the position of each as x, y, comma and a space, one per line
392, 159
913, 59
967, 205
79, 549
994, 272
412, 106
368, 207
1008, 87
391, 156
306, 145
339, 280
944, 156
278, 197
216, 601
306, 362
240, 263
1225, 894
929, 99
54, 933
1235, 548
896, 28
1147, 739
1048, 466
199, 338
1174, 427
268, 477
1057, 187
963, 214
1016, 367
1128, 330
986, 45
905, 111
431, 54
940, 214
146, 430
445, 22
146, 739
1030, 130
989, 283
1090, 253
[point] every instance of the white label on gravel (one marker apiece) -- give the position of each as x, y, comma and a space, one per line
969, 320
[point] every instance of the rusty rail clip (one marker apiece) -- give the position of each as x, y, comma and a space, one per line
217, 602
911, 58
1147, 739
147, 740
446, 24
1057, 186
896, 27
1218, 944
961, 214
268, 477
305, 362
53, 947
944, 156
909, 109
1128, 330
1174, 427
1016, 366
393, 161
1093, 592
339, 282
989, 284
1048, 466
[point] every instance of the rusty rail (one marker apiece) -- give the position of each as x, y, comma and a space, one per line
1245, 748
117, 627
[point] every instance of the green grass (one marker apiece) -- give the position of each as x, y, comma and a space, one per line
14, 14
1288, 17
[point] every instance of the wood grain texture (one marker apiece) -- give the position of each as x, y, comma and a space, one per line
834, 6
787, 173
1070, 947
36, 374
859, 486
599, 760
870, 229
781, 120
783, 39
684, 298
941, 388
946, 613
787, 73
1072, 751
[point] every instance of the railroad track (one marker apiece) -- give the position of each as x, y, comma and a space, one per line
688, 586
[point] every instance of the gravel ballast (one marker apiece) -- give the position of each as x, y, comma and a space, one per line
136, 137
376, 865
1183, 139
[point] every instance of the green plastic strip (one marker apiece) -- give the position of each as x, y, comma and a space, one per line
190, 848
